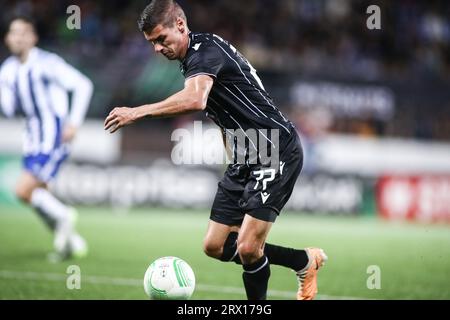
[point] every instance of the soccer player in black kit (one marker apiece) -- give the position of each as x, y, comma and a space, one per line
222, 83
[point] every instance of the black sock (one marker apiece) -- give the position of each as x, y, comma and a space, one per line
230, 252
277, 255
286, 257
256, 278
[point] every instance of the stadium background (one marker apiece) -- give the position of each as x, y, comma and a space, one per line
372, 106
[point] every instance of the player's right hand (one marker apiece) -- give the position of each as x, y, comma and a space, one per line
69, 133
119, 118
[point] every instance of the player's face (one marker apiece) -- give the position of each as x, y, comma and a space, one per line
20, 37
169, 41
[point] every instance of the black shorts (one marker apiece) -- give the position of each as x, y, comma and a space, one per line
253, 190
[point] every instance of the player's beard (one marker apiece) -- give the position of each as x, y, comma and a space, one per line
170, 56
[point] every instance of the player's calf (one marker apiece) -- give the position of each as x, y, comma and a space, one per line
256, 269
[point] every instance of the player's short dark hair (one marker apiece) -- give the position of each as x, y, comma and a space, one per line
24, 18
164, 12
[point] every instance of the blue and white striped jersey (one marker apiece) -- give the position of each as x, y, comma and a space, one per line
38, 90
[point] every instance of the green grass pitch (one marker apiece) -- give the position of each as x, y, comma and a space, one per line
414, 260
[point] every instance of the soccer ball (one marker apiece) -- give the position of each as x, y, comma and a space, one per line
169, 278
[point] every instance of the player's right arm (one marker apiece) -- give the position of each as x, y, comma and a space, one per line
202, 68
192, 98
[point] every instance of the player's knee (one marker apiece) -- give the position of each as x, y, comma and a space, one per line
23, 194
248, 250
212, 249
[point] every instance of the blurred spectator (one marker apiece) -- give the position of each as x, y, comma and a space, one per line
321, 38
305, 34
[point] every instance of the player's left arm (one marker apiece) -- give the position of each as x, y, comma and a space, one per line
7, 101
82, 89
191, 99
7, 98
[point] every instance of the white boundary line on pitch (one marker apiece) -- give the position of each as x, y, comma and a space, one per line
39, 276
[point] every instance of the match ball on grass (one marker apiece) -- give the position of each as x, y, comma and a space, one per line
169, 278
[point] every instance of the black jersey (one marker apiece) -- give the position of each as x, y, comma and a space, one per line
237, 99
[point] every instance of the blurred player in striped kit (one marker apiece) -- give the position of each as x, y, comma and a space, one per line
34, 84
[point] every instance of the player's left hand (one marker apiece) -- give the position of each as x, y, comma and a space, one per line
119, 118
69, 133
